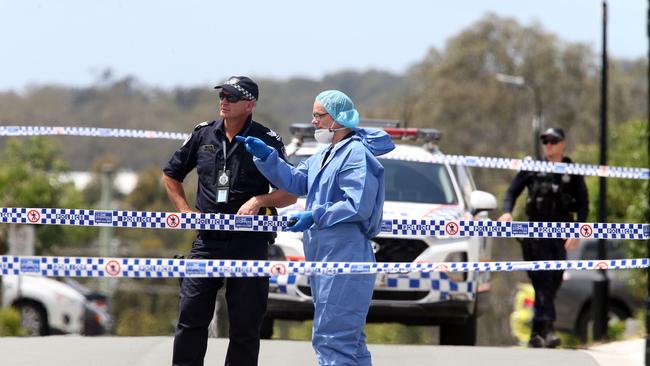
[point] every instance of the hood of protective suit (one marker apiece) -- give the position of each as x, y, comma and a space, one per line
378, 142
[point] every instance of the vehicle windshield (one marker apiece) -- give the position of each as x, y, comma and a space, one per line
412, 181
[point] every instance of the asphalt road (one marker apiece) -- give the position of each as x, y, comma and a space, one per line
150, 351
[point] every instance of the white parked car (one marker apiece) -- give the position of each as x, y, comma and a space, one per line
417, 188
48, 306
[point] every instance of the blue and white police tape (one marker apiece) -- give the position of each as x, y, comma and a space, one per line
260, 223
173, 268
473, 161
88, 131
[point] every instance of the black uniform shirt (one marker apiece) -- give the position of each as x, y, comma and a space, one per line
205, 150
575, 188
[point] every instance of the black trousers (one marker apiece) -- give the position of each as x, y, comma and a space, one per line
246, 299
545, 283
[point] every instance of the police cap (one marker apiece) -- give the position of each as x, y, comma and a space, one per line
241, 86
553, 132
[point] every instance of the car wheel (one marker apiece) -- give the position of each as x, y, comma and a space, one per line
585, 324
33, 319
266, 331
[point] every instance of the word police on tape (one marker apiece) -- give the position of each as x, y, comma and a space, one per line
173, 268
262, 223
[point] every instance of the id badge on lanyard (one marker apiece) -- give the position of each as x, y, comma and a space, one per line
223, 186
223, 175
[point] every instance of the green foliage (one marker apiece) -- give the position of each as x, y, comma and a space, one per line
137, 322
150, 194
30, 176
386, 333
10, 323
393, 333
627, 199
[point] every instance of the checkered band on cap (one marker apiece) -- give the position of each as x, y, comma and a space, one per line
234, 83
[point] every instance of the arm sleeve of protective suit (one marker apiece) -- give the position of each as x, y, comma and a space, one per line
582, 198
283, 175
359, 188
514, 190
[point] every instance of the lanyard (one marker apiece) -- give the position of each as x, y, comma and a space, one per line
226, 154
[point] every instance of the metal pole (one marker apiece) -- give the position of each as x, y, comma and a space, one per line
538, 120
647, 299
106, 233
601, 286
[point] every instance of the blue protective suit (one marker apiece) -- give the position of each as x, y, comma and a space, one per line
346, 197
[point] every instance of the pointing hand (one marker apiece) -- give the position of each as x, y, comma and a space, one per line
255, 146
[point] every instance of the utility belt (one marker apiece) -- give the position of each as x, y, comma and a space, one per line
208, 236
551, 217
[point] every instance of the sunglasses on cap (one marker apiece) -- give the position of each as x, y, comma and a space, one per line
230, 98
550, 140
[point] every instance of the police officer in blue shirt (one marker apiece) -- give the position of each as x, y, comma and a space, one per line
228, 183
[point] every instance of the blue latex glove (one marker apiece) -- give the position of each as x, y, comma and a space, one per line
305, 221
256, 146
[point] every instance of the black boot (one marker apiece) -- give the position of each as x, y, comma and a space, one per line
551, 340
536, 338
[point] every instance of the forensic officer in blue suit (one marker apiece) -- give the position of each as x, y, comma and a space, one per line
344, 185
229, 183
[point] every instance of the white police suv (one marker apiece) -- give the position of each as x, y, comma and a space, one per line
416, 188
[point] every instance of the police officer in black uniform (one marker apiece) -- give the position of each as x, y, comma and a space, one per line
556, 198
228, 183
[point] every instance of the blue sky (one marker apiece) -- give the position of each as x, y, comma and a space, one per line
194, 43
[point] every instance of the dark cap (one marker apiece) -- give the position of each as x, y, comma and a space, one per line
241, 86
558, 133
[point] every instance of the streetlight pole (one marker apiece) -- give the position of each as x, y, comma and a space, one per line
538, 120
601, 285
647, 300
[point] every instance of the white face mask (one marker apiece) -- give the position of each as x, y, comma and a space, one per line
325, 135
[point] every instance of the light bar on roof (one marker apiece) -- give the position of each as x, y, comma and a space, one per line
306, 130
403, 133
425, 134
379, 123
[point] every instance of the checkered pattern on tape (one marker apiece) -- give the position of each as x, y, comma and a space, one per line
63, 216
205, 221
554, 230
10, 265
474, 161
418, 227
282, 282
13, 215
89, 131
142, 219
485, 228
72, 267
151, 268
238, 268
619, 231
269, 223
165, 268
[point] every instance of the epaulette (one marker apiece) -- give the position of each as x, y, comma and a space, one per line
202, 124
274, 135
